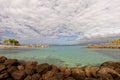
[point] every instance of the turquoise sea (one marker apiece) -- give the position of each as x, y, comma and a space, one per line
64, 55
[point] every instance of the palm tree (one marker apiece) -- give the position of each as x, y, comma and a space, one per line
6, 41
11, 42
16, 42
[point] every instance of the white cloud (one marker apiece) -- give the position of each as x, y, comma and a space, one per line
50, 19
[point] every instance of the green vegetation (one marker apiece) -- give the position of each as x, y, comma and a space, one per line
11, 42
116, 41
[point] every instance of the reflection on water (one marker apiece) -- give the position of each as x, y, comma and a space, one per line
64, 55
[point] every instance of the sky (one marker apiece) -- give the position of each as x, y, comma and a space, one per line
60, 21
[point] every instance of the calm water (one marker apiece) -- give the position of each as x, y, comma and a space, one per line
64, 55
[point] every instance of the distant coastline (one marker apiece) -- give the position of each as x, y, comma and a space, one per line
115, 44
106, 45
13, 43
2, 46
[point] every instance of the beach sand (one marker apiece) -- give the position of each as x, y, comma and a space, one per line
24, 46
10, 46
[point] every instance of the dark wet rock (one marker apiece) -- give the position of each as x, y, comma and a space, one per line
9, 79
11, 69
2, 67
59, 76
4, 71
87, 71
94, 70
47, 75
107, 73
30, 64
28, 78
29, 71
2, 59
69, 78
91, 71
43, 68
3, 76
54, 68
78, 74
36, 77
113, 65
68, 72
18, 75
10, 61
30, 67
20, 67
52, 78
93, 79
62, 68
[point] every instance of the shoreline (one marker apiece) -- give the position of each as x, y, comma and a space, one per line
103, 46
23, 46
14, 69
9, 46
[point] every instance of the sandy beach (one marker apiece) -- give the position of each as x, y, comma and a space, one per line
9, 46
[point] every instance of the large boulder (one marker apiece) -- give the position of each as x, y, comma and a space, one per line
94, 79
54, 68
47, 75
28, 78
112, 65
3, 76
29, 71
91, 71
59, 76
36, 77
52, 78
30, 64
20, 67
2, 59
11, 69
67, 72
2, 67
62, 68
43, 68
69, 78
78, 74
18, 75
10, 61
107, 73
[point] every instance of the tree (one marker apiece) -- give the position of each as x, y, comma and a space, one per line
16, 42
6, 41
116, 41
11, 42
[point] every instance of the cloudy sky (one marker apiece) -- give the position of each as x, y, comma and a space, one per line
60, 21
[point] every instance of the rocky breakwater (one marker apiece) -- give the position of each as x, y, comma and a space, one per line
13, 69
107, 45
